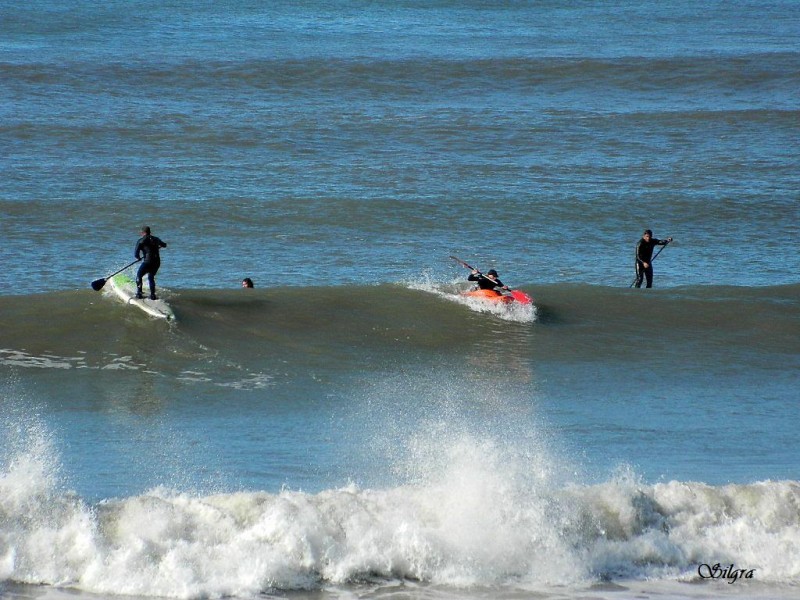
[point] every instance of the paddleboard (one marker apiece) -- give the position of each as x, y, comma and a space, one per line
125, 289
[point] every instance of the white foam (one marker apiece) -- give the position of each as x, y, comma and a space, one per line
20, 358
511, 311
477, 510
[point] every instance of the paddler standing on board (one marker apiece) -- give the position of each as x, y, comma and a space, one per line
488, 281
644, 257
147, 249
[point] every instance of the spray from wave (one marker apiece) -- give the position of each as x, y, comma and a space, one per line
478, 504
454, 292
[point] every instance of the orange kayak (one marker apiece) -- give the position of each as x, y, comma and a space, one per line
490, 295
495, 296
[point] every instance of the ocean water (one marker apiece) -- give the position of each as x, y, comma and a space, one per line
354, 427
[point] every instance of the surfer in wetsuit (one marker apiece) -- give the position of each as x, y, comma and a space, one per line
644, 257
147, 249
488, 281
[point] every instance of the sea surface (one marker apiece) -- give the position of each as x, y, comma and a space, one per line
354, 427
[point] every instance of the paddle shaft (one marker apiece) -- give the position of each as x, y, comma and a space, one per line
463, 264
660, 250
98, 284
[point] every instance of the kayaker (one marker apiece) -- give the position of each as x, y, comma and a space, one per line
147, 249
489, 281
644, 257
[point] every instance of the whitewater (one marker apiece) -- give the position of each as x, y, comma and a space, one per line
474, 512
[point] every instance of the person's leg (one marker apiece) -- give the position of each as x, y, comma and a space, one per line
139, 276
639, 275
151, 280
648, 273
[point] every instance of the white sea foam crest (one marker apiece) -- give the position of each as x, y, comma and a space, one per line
470, 528
628, 529
481, 515
453, 292
45, 535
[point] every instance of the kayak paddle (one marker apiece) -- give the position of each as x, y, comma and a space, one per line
519, 296
98, 284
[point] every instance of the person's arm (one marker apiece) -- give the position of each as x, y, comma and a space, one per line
639, 252
663, 242
474, 276
138, 250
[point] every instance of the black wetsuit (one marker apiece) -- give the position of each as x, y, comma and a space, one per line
147, 248
644, 254
484, 282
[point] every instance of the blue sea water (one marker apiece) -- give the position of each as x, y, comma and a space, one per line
354, 427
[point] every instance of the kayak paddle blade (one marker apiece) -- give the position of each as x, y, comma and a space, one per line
98, 284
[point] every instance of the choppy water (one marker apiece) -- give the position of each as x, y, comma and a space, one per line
352, 427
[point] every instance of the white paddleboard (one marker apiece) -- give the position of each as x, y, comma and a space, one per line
125, 288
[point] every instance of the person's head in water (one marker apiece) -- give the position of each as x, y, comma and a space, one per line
247, 282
